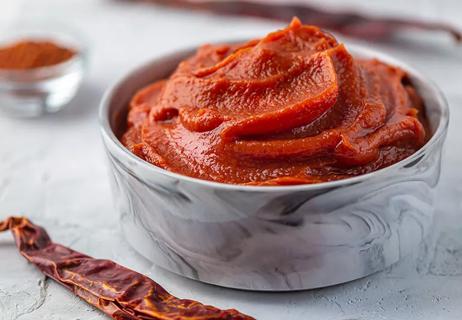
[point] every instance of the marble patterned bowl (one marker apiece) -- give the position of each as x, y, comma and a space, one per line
272, 238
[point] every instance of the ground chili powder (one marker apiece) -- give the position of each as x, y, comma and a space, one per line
31, 54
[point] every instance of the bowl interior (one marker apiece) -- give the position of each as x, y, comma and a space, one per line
114, 107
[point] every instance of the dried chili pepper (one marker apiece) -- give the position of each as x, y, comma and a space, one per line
345, 22
121, 293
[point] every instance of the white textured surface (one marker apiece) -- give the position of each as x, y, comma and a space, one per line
53, 169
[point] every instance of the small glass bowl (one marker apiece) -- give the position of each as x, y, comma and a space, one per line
33, 92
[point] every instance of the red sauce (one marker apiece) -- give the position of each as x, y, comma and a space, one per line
294, 107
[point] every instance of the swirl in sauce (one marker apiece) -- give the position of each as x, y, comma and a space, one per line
292, 108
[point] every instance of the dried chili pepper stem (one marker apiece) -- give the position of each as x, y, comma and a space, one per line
119, 292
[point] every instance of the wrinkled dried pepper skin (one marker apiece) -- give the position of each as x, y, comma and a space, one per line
119, 292
351, 23
293, 107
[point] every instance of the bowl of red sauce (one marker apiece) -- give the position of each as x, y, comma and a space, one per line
282, 163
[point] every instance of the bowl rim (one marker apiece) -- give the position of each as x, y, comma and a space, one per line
440, 130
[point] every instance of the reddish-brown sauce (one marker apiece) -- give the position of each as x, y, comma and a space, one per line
294, 107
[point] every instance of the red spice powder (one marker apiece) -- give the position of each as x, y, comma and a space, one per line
30, 54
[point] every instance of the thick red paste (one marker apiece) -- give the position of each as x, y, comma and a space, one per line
294, 107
